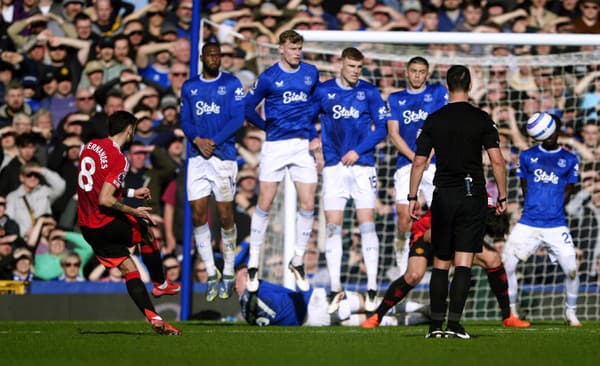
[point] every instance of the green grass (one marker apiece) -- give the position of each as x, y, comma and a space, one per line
128, 343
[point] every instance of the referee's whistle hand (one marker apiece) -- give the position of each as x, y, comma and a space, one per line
500, 208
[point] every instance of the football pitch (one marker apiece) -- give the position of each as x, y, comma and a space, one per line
134, 343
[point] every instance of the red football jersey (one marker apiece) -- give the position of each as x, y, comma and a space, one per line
101, 161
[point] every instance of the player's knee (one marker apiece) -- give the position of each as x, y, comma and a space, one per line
413, 277
572, 274
404, 223
226, 221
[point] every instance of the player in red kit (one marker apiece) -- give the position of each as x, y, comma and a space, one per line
111, 227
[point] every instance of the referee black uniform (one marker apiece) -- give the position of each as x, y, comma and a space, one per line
456, 132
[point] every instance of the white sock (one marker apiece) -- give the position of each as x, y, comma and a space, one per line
304, 224
402, 249
204, 247
258, 227
229, 241
569, 266
370, 252
333, 255
510, 266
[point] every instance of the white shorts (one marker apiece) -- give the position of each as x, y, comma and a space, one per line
316, 314
524, 240
292, 154
402, 184
341, 183
212, 175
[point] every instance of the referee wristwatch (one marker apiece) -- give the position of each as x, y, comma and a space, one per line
411, 198
500, 200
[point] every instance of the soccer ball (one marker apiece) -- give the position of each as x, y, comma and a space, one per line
540, 126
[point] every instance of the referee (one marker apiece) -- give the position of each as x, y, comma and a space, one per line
456, 132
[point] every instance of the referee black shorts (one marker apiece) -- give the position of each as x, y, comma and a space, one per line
457, 221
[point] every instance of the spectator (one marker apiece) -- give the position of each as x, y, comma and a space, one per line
200, 274
178, 74
450, 15
135, 32
9, 148
155, 178
227, 53
588, 22
413, 12
50, 265
590, 94
566, 8
9, 176
92, 77
31, 92
64, 160
431, 20
70, 263
10, 229
158, 70
584, 210
83, 27
72, 8
63, 101
472, 14
184, 18
15, 103
106, 22
84, 100
23, 265
172, 268
32, 198
37, 26
112, 68
246, 199
122, 51
539, 15
169, 108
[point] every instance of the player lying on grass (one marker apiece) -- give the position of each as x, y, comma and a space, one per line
276, 305
420, 256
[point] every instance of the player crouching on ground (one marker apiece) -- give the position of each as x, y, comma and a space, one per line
276, 305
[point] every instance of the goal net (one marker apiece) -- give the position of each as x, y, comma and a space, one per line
511, 88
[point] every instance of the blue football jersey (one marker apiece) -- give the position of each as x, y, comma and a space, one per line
348, 116
276, 305
547, 174
213, 109
411, 109
288, 99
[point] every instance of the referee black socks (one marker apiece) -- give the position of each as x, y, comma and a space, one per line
438, 292
459, 290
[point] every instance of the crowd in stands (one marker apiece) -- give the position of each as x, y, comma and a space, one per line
67, 65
